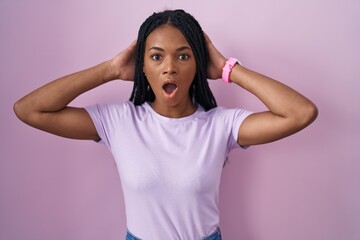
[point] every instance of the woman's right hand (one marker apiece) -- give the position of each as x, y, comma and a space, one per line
123, 64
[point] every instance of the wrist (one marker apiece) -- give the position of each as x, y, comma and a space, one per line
111, 72
227, 69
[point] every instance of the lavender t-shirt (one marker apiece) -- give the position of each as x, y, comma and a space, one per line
170, 168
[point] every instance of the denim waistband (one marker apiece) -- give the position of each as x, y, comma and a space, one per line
214, 236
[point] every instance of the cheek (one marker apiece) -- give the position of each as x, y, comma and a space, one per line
192, 73
151, 77
193, 68
150, 70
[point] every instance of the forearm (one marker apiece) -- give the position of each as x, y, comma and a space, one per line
57, 94
280, 99
288, 110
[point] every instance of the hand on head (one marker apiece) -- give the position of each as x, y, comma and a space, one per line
216, 60
123, 64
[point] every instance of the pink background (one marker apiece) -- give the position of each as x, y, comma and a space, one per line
304, 187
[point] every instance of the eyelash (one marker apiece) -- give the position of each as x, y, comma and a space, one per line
154, 56
185, 55
157, 57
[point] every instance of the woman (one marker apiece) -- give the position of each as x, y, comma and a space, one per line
170, 140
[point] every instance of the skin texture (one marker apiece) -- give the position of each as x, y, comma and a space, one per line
47, 108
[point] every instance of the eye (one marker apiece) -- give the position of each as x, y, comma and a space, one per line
184, 57
156, 57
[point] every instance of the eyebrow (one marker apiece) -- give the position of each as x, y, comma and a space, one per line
178, 49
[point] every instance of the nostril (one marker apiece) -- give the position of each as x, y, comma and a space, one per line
169, 67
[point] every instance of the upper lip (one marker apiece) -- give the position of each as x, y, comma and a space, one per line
173, 81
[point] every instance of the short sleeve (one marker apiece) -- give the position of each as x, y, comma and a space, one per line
106, 118
239, 116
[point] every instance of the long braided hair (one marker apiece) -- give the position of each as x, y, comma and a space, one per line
199, 91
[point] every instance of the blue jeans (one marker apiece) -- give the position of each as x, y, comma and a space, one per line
214, 236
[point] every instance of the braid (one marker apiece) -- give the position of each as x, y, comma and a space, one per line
200, 91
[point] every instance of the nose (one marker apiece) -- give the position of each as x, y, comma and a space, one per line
169, 66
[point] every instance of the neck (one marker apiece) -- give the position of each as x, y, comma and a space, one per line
174, 111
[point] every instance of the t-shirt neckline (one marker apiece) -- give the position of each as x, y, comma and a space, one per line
168, 119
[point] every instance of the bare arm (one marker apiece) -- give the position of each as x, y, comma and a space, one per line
47, 108
288, 111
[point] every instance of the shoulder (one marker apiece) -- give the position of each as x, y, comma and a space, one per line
116, 110
228, 113
226, 118
114, 107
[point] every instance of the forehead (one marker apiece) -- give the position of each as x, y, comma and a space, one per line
166, 36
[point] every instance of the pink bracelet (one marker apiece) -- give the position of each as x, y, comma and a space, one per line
227, 69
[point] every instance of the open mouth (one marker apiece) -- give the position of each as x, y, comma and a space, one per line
169, 88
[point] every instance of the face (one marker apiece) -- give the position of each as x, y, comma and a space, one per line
170, 67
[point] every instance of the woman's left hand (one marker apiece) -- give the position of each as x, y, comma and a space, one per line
216, 60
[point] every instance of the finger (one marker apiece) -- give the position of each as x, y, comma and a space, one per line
207, 39
132, 46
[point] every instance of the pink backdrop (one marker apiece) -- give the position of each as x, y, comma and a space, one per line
304, 187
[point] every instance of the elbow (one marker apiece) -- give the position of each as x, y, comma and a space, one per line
22, 111
19, 110
307, 115
312, 113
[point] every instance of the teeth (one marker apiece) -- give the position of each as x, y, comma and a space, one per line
169, 87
